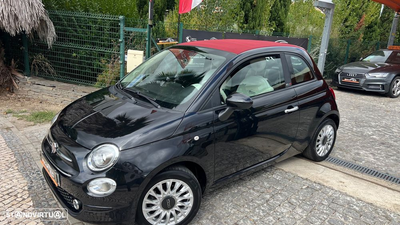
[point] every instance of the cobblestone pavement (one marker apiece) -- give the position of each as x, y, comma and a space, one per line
270, 196
273, 196
369, 131
26, 159
13, 189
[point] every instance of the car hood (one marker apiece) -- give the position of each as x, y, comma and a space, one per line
108, 116
363, 67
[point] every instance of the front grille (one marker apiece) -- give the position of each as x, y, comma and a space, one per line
67, 196
62, 194
56, 152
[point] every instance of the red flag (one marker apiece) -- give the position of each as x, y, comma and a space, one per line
187, 5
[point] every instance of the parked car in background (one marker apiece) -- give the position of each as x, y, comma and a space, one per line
191, 117
378, 72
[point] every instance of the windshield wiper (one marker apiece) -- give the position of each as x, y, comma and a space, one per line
151, 100
119, 86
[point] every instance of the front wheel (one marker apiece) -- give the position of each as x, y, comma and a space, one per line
394, 89
171, 197
322, 142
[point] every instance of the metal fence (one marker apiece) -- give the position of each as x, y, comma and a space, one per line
86, 50
89, 47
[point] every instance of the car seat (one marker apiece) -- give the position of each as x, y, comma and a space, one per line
254, 85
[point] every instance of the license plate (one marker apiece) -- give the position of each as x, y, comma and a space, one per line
55, 177
351, 80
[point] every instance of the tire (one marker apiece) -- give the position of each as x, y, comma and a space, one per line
322, 142
394, 88
182, 183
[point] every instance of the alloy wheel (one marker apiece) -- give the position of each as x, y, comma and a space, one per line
168, 202
325, 139
396, 87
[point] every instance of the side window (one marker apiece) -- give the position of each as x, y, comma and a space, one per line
255, 77
300, 71
394, 58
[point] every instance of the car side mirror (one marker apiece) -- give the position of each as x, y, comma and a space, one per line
235, 101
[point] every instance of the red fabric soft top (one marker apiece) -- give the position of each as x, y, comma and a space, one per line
236, 46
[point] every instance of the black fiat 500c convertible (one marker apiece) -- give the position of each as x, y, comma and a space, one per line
189, 118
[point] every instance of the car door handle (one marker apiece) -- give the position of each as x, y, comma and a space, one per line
292, 109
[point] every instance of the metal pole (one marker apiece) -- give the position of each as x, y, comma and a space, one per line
309, 43
328, 8
393, 29
179, 27
149, 25
148, 41
121, 47
180, 32
26, 56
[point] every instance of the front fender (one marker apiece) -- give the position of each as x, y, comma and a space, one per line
141, 164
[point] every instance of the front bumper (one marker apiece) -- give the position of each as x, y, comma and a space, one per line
379, 85
115, 208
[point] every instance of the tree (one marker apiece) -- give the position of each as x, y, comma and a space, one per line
279, 14
255, 14
304, 19
212, 15
22, 17
352, 17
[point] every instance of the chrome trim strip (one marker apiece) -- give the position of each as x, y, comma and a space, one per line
62, 155
58, 168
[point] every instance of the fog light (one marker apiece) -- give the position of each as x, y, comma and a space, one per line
101, 187
76, 204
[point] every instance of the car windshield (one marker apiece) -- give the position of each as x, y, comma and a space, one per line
378, 56
174, 76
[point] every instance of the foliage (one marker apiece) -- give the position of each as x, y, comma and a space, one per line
40, 64
385, 25
255, 15
28, 16
304, 19
352, 17
110, 74
8, 74
212, 15
35, 117
279, 14
111, 7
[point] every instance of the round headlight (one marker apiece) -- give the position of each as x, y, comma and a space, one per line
103, 157
101, 187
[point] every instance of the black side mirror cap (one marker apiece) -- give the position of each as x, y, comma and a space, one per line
239, 101
235, 101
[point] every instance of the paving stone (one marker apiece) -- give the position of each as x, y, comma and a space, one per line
369, 115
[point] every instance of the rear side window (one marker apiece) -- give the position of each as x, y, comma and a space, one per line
394, 58
299, 70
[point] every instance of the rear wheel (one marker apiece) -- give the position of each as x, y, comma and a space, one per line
323, 141
172, 197
394, 89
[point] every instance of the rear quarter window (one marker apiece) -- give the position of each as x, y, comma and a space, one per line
299, 70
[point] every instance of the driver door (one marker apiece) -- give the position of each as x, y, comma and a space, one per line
263, 132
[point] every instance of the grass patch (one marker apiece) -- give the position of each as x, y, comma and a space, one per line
37, 117
10, 111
